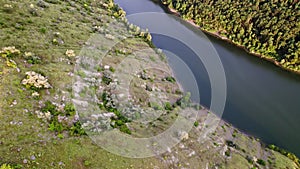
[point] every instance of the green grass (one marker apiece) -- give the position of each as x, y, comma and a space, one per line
55, 144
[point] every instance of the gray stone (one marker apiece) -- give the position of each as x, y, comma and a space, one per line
42, 4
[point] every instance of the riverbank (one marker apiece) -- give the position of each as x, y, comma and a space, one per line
217, 35
39, 123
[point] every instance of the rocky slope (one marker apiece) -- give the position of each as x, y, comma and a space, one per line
46, 51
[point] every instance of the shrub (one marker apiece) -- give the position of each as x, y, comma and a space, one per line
120, 120
69, 109
125, 129
9, 52
112, 69
57, 123
43, 30
49, 107
76, 129
35, 81
261, 162
168, 106
170, 79
227, 153
155, 106
70, 53
5, 166
106, 80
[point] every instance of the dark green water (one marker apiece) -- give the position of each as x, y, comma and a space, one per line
262, 100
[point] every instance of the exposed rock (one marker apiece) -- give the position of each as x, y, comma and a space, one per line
183, 135
149, 88
42, 4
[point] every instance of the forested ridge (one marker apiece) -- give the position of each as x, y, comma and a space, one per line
267, 28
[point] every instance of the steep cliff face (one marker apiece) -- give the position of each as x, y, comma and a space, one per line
46, 50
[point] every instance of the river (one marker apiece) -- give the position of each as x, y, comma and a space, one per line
262, 100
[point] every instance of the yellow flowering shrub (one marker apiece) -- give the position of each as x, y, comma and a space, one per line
70, 53
35, 81
9, 51
5, 166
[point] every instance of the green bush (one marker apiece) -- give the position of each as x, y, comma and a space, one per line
170, 79
261, 162
56, 126
50, 107
120, 120
168, 106
69, 109
106, 80
227, 153
5, 166
34, 60
76, 129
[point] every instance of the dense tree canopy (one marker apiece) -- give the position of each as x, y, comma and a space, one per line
269, 28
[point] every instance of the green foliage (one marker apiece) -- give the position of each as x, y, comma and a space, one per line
87, 163
76, 129
112, 69
125, 129
231, 144
43, 30
168, 106
5, 166
185, 101
106, 80
170, 79
196, 123
261, 162
33, 60
120, 120
155, 106
81, 73
234, 134
269, 28
56, 126
9, 52
69, 109
178, 92
49, 107
60, 136
290, 155
227, 153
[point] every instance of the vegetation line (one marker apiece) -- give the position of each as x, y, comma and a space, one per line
255, 37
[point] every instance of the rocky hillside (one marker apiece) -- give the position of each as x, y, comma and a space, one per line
49, 60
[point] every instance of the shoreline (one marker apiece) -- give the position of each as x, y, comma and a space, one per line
206, 109
218, 36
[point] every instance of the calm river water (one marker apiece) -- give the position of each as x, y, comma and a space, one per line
262, 100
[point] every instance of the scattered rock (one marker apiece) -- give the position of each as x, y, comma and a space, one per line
109, 36
192, 153
148, 88
25, 161
32, 157
183, 135
144, 76
42, 4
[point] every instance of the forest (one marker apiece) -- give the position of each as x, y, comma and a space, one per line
270, 29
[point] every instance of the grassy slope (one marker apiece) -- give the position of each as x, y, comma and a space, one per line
30, 143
